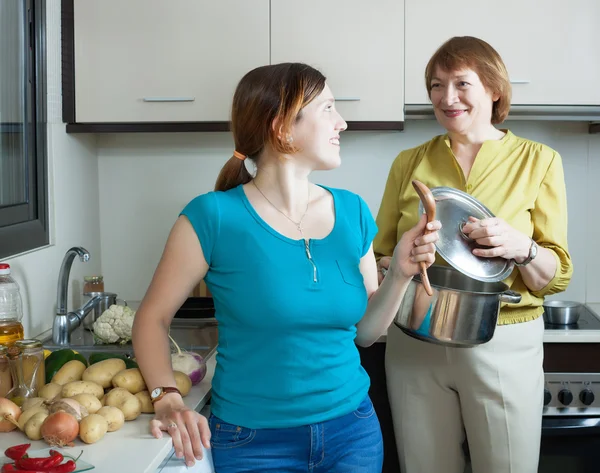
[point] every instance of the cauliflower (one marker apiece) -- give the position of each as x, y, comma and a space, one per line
114, 325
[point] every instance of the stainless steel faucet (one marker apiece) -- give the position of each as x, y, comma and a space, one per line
65, 322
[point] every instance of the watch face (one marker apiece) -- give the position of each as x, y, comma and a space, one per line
155, 393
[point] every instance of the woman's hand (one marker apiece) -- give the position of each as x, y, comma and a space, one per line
504, 241
411, 250
188, 428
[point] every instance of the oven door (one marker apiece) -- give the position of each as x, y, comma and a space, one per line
570, 445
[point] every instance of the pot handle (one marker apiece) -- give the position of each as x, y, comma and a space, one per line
511, 297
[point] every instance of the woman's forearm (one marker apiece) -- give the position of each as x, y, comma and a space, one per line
382, 308
537, 274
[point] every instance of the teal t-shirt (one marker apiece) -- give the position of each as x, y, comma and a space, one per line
286, 354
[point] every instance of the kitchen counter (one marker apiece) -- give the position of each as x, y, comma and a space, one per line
561, 336
132, 448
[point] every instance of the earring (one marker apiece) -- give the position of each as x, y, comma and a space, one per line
290, 138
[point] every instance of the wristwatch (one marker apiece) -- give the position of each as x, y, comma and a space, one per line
533, 250
158, 393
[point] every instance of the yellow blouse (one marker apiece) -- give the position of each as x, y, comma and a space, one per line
520, 181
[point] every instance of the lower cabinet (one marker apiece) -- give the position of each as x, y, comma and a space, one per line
373, 361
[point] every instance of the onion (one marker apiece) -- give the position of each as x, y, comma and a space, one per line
9, 414
60, 429
189, 363
70, 406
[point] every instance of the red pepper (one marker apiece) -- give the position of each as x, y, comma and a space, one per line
17, 452
40, 463
66, 467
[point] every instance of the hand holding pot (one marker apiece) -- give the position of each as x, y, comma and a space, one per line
413, 248
503, 240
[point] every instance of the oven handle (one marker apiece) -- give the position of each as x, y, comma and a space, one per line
570, 425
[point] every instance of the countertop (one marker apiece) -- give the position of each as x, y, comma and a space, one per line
562, 336
132, 448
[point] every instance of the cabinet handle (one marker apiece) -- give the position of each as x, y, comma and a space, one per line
169, 99
347, 99
517, 81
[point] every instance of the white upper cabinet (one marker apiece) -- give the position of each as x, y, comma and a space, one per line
357, 45
161, 61
550, 47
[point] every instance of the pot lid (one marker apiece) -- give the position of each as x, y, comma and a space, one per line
453, 209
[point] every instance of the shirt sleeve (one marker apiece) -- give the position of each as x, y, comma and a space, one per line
388, 216
367, 225
203, 214
549, 218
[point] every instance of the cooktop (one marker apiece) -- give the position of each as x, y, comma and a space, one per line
587, 321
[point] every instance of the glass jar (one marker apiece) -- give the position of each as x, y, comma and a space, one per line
19, 391
34, 369
5, 376
93, 284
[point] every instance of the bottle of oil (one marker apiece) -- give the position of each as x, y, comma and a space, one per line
11, 308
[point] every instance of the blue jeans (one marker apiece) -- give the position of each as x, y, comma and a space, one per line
349, 444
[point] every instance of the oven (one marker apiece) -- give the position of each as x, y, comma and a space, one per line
571, 418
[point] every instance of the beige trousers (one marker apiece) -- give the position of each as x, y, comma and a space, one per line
493, 392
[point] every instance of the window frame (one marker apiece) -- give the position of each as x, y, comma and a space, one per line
16, 238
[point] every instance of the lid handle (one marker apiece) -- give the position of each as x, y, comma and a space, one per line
429, 204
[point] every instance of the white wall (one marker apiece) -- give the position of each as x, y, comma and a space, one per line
74, 212
146, 179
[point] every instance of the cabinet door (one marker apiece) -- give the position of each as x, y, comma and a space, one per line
159, 61
357, 45
550, 47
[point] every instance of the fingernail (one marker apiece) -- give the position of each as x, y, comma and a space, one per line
430, 226
189, 463
178, 454
198, 457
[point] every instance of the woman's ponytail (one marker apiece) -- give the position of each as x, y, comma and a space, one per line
232, 174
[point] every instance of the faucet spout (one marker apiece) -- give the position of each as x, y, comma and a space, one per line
63, 276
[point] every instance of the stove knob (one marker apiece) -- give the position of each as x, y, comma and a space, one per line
547, 397
565, 397
586, 397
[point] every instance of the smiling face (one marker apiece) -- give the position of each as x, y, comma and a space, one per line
316, 133
460, 101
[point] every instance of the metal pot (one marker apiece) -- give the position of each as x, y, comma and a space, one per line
562, 312
106, 299
461, 312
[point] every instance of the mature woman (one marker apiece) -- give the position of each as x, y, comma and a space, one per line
292, 271
493, 392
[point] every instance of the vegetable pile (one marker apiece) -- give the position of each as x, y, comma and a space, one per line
82, 401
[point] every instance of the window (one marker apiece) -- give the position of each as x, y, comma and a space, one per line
23, 150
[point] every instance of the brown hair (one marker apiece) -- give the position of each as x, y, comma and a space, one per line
267, 96
468, 52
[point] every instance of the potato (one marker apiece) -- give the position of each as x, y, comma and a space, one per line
32, 402
33, 427
114, 417
29, 413
183, 382
103, 372
147, 406
122, 399
103, 400
70, 371
93, 428
80, 387
130, 379
89, 401
50, 391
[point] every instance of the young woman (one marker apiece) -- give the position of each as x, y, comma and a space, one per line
294, 279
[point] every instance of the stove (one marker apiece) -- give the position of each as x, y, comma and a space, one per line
572, 368
587, 321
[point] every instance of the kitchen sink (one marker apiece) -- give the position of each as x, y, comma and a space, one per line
197, 335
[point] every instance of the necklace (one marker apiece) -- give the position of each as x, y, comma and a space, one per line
299, 223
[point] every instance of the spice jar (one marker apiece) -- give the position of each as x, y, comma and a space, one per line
93, 284
34, 369
19, 391
5, 376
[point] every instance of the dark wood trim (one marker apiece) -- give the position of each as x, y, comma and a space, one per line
594, 128
149, 127
571, 357
176, 127
67, 18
